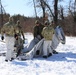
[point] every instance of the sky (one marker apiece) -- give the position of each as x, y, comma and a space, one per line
63, 63
23, 7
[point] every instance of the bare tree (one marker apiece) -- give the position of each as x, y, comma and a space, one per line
35, 8
2, 11
43, 8
56, 11
72, 9
61, 13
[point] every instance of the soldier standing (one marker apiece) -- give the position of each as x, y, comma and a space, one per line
47, 33
8, 30
53, 25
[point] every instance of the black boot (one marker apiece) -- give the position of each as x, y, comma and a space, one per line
50, 54
44, 56
37, 52
12, 59
18, 53
55, 52
6, 60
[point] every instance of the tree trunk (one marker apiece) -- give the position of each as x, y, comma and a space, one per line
43, 9
56, 12
35, 9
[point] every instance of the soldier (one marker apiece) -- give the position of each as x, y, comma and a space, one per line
18, 40
8, 30
18, 44
19, 30
53, 25
47, 33
37, 31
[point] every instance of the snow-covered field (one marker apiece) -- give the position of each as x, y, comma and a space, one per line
63, 63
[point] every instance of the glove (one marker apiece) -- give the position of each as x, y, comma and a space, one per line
2, 37
39, 37
16, 36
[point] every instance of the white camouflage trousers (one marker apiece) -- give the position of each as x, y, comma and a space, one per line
55, 42
47, 47
10, 47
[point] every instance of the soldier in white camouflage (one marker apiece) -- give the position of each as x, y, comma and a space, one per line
53, 25
8, 30
47, 33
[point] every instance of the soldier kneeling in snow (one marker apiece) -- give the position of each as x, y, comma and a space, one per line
18, 40
18, 44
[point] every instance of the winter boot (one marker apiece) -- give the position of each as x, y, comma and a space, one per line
44, 56
12, 59
50, 54
37, 52
55, 52
6, 60
18, 53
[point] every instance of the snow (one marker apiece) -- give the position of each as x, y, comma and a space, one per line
63, 63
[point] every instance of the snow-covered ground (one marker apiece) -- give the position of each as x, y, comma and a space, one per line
63, 63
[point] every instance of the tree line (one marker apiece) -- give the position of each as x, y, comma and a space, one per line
64, 16
60, 11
